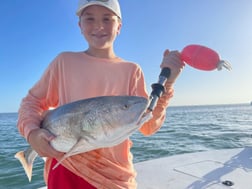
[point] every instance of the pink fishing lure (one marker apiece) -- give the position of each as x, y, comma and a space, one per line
203, 58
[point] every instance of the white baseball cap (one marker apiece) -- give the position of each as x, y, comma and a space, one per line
112, 5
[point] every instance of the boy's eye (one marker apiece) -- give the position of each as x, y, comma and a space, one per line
89, 19
106, 19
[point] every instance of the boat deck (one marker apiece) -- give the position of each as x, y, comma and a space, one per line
218, 169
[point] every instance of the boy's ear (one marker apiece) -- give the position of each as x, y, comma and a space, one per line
79, 24
119, 28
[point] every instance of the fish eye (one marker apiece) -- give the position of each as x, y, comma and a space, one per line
126, 106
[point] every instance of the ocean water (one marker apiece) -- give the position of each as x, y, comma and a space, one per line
186, 129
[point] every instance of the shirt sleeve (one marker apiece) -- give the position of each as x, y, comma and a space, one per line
42, 96
159, 112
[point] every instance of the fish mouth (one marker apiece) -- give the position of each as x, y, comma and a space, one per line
146, 116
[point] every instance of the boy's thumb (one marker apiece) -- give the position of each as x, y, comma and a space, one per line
48, 136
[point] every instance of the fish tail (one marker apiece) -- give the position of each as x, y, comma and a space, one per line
27, 158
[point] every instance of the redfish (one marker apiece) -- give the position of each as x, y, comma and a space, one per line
90, 124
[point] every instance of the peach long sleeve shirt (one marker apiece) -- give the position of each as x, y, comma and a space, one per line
73, 76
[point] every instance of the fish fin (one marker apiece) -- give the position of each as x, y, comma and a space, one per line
27, 158
59, 162
72, 151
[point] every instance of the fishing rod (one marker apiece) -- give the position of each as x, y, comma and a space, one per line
197, 56
158, 88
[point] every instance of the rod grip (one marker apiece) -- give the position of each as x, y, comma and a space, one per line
158, 88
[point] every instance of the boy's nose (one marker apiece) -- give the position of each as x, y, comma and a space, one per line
99, 25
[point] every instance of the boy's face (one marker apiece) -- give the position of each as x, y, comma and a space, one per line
100, 26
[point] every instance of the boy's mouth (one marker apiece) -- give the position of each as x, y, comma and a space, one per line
99, 36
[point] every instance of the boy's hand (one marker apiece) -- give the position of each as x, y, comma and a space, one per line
39, 140
173, 61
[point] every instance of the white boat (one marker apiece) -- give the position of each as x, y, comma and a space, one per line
216, 169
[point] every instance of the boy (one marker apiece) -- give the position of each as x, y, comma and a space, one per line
97, 71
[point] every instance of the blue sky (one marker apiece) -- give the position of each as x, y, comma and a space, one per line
33, 32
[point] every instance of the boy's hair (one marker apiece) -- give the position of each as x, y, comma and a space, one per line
112, 5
